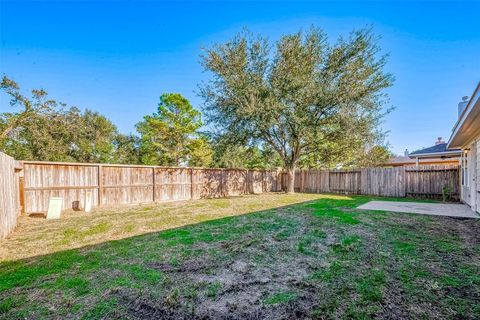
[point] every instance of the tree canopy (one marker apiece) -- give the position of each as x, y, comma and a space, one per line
232, 154
10, 121
171, 136
300, 97
44, 129
40, 128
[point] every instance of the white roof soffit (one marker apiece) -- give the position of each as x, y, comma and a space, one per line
446, 154
468, 124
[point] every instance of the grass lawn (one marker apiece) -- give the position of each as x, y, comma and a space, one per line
270, 256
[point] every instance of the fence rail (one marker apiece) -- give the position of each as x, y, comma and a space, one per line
9, 195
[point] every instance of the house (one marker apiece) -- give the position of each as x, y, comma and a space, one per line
466, 136
437, 154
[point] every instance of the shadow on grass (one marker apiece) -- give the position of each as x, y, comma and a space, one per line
69, 279
25, 271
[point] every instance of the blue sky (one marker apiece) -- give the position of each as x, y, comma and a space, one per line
119, 57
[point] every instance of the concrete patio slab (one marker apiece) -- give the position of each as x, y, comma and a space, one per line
435, 209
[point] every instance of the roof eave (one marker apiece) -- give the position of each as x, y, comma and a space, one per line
471, 110
451, 153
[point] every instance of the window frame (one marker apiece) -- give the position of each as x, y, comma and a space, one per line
464, 167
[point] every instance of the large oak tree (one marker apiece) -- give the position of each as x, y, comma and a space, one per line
299, 96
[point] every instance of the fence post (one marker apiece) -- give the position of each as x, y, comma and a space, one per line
403, 173
222, 192
329, 187
153, 181
263, 181
21, 181
225, 182
100, 185
279, 180
301, 176
20, 196
191, 184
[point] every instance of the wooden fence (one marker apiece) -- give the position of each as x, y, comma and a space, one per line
125, 184
432, 181
9, 195
111, 184
422, 181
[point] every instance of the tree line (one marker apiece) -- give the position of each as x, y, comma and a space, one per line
43, 129
300, 102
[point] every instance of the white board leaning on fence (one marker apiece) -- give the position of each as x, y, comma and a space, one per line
88, 201
54, 208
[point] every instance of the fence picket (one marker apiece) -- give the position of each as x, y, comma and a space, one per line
9, 194
129, 184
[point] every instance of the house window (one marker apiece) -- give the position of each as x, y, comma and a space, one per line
465, 169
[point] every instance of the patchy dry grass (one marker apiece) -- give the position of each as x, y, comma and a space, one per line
37, 236
291, 256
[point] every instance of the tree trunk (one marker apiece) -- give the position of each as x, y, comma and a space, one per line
290, 180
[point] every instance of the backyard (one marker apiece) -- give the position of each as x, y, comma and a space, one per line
258, 256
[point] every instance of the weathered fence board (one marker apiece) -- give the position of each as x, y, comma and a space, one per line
421, 181
345, 181
172, 184
70, 182
271, 181
320, 181
236, 182
433, 181
208, 183
124, 184
389, 182
9, 195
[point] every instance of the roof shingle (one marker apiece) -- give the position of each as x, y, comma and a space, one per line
439, 148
